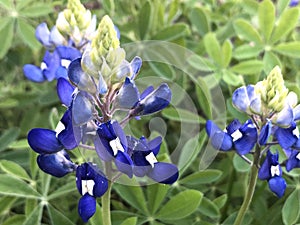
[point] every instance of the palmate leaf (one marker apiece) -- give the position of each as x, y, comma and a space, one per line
290, 49
37, 10
26, 32
8, 137
180, 205
58, 218
287, 22
245, 30
202, 177
226, 53
172, 32
213, 48
156, 194
130, 221
35, 217
291, 208
266, 18
209, 208
145, 19
200, 20
14, 169
248, 67
6, 40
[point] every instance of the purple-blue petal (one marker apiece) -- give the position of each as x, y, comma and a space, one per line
285, 136
103, 149
233, 126
219, 139
44, 141
264, 172
33, 73
154, 145
52, 60
277, 185
165, 173
66, 136
82, 108
124, 163
68, 53
265, 133
242, 97
146, 92
248, 140
128, 95
293, 161
135, 64
57, 164
42, 34
64, 91
86, 207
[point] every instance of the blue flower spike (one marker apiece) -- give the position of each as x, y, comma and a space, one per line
271, 171
91, 184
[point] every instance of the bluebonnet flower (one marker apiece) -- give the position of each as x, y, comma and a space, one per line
294, 3
91, 184
150, 101
145, 162
111, 144
271, 171
54, 65
242, 136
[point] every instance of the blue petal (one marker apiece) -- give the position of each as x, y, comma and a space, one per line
296, 112
55, 37
117, 31
293, 161
124, 163
82, 109
265, 133
277, 185
219, 139
141, 165
42, 34
66, 136
68, 53
102, 149
57, 164
89, 171
86, 207
64, 91
44, 141
79, 78
117, 129
61, 72
285, 117
155, 101
33, 73
146, 92
248, 140
52, 60
271, 159
294, 3
128, 95
135, 64
285, 136
165, 173
233, 126
242, 97
154, 145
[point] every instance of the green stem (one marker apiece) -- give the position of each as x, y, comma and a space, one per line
106, 217
250, 189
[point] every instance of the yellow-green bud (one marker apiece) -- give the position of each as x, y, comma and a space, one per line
106, 39
77, 15
273, 91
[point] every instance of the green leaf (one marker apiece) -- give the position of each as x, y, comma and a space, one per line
19, 144
8, 137
15, 220
190, 151
35, 217
204, 97
180, 205
287, 22
145, 20
266, 18
37, 10
173, 11
172, 32
30, 205
130, 221
6, 40
213, 48
8, 4
221, 200
182, 115
155, 195
6, 203
8, 103
12, 186
226, 53
199, 19
246, 31
202, 177
163, 70
209, 208
240, 164
64, 190
58, 218
200, 63
270, 60
108, 6
231, 78
291, 49
247, 51
291, 208
14, 169
248, 67
133, 195
27, 33
96, 219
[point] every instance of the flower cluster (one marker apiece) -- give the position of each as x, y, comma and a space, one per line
95, 85
273, 113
